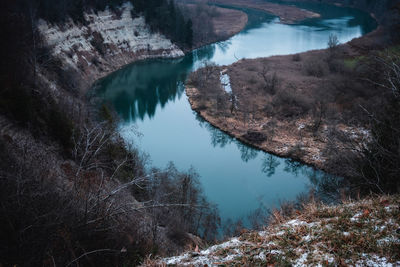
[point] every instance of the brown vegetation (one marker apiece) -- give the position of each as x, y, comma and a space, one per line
355, 233
313, 107
212, 24
287, 14
281, 98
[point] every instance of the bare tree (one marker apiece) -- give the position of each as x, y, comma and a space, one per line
270, 80
333, 42
372, 159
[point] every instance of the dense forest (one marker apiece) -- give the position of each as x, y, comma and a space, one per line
67, 203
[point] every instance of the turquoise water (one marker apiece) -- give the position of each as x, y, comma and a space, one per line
149, 96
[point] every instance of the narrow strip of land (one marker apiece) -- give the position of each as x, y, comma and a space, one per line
212, 24
295, 105
287, 14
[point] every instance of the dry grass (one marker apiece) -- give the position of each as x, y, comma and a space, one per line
212, 24
287, 13
304, 97
359, 233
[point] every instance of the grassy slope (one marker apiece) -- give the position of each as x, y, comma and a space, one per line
361, 233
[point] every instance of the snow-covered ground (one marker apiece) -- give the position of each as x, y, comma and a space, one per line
363, 233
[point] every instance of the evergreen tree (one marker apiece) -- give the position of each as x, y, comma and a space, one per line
189, 33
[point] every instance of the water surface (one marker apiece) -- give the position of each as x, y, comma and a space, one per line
150, 95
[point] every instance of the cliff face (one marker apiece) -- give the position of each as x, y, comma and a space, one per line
109, 41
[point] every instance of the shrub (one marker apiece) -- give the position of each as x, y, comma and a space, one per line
97, 42
335, 65
296, 57
314, 67
289, 103
252, 81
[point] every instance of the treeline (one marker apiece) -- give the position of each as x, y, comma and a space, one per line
165, 16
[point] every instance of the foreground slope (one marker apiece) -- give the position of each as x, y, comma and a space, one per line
357, 233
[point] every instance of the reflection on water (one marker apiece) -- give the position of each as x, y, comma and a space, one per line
136, 91
150, 95
269, 165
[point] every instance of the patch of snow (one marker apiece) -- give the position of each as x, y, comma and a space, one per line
263, 233
391, 208
307, 238
388, 240
379, 228
317, 157
294, 223
280, 233
275, 251
301, 261
261, 256
225, 81
206, 256
283, 149
356, 217
375, 261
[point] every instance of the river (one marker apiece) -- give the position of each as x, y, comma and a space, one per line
149, 96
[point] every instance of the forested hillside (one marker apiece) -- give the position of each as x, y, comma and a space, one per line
23, 51
72, 192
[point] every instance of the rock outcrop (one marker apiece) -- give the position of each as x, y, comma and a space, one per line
108, 41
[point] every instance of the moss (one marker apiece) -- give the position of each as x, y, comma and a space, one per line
352, 63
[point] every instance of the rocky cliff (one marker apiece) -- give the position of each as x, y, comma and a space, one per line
108, 41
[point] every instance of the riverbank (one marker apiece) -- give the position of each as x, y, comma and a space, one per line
287, 14
356, 233
278, 106
293, 106
212, 23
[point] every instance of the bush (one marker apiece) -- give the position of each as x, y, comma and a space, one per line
97, 42
335, 65
314, 67
252, 81
289, 103
296, 57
